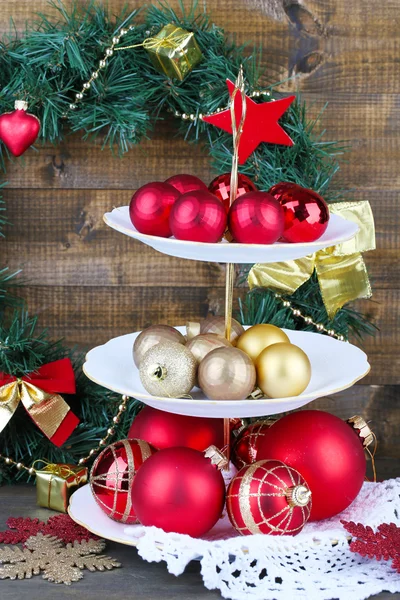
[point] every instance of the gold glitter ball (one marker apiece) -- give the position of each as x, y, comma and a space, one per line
168, 370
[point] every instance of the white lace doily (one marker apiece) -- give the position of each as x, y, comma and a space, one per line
317, 564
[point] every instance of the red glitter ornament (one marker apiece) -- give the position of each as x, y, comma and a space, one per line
180, 490
150, 208
112, 476
164, 430
382, 544
186, 183
19, 129
279, 189
261, 123
268, 497
306, 215
256, 218
198, 217
221, 187
328, 453
245, 449
61, 526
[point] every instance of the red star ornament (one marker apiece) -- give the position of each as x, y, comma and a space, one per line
260, 125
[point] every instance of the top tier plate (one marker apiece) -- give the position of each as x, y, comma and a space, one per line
339, 230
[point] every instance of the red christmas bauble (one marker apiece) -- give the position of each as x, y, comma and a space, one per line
198, 217
165, 430
279, 189
327, 452
186, 183
19, 129
268, 497
150, 208
306, 215
178, 489
256, 218
221, 187
112, 476
245, 448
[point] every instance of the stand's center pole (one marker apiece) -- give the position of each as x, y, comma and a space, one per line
230, 267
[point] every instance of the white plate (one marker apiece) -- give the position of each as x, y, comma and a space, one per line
339, 230
335, 366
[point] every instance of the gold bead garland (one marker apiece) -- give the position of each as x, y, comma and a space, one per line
103, 442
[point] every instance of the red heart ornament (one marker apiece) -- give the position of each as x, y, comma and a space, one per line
19, 129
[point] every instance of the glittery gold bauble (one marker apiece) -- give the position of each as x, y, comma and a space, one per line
256, 338
153, 335
204, 343
217, 325
283, 370
168, 370
227, 374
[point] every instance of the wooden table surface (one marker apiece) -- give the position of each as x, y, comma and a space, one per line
137, 579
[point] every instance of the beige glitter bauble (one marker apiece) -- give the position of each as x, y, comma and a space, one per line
283, 370
168, 370
256, 338
217, 325
227, 374
153, 335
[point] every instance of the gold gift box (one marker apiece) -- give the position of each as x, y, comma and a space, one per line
56, 483
173, 51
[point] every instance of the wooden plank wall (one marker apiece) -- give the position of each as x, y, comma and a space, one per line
89, 283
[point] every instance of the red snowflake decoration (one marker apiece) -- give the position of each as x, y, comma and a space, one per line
382, 544
62, 526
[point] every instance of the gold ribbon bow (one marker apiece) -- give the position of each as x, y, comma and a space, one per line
341, 271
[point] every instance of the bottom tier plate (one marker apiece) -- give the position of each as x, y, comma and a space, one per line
335, 367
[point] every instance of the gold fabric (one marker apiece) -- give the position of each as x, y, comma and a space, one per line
341, 270
56, 483
173, 51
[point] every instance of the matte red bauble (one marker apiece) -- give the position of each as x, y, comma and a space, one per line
268, 497
180, 490
198, 217
245, 448
150, 208
328, 453
279, 189
165, 430
256, 218
19, 129
306, 215
186, 183
112, 475
221, 187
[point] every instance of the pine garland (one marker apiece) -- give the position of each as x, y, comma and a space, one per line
47, 67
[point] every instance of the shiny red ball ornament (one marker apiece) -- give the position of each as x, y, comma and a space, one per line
256, 218
328, 453
112, 476
150, 208
19, 129
245, 448
186, 183
221, 187
165, 430
306, 215
268, 497
179, 489
280, 188
198, 217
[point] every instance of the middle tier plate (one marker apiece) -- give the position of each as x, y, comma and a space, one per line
335, 367
339, 230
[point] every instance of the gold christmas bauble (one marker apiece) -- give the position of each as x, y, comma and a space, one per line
204, 343
168, 370
217, 325
153, 335
256, 338
283, 370
227, 374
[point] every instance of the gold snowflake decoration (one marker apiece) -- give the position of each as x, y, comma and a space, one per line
59, 563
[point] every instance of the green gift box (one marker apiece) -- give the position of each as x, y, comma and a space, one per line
173, 51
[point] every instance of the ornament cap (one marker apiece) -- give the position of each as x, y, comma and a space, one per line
256, 394
192, 329
362, 429
217, 457
299, 495
21, 105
